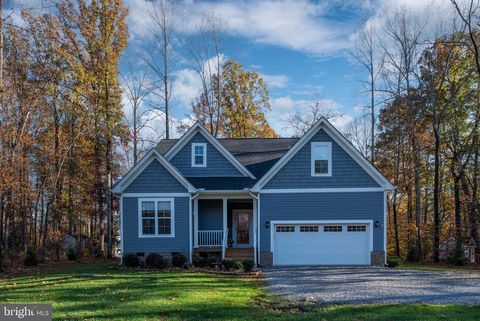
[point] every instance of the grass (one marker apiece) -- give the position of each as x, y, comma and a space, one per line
102, 292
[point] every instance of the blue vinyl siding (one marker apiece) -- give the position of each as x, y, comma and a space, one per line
321, 206
132, 243
155, 179
345, 171
217, 164
210, 214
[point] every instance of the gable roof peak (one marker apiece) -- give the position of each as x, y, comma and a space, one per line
198, 127
340, 139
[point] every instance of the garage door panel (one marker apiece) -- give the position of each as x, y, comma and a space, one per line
296, 248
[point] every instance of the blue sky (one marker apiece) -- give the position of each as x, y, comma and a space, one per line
301, 48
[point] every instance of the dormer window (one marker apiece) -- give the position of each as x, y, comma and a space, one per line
199, 155
321, 159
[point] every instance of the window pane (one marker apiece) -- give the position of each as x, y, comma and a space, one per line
332, 228
308, 228
320, 152
163, 205
321, 166
198, 150
148, 226
148, 209
198, 160
285, 228
164, 226
356, 228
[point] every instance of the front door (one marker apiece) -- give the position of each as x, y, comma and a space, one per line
242, 228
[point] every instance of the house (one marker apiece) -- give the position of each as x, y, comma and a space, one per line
276, 201
447, 248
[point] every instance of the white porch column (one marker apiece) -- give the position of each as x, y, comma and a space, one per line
255, 231
195, 224
225, 210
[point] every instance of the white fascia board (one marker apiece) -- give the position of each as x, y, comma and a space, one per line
339, 139
197, 127
322, 190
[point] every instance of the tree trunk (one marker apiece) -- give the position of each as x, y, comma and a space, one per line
436, 207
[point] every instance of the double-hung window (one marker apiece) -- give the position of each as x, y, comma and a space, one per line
321, 159
199, 154
156, 217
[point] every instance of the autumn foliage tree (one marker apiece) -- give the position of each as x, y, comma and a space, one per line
60, 120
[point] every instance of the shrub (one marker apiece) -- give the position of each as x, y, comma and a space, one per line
72, 254
155, 261
231, 265
458, 256
247, 266
211, 262
199, 261
131, 260
202, 262
179, 260
31, 258
394, 261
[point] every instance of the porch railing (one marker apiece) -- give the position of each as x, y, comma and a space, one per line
210, 238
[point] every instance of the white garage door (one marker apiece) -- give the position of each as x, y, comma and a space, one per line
317, 244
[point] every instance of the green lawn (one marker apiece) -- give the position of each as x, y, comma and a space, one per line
113, 294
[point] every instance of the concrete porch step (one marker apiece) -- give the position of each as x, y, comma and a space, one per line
239, 254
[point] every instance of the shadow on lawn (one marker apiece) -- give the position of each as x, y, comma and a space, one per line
116, 294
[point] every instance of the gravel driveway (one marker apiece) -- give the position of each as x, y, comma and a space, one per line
356, 285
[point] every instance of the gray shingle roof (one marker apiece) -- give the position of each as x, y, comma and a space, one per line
258, 155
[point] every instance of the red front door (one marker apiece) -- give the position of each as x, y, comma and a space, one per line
243, 228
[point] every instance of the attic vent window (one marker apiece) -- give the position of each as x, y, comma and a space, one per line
199, 155
321, 159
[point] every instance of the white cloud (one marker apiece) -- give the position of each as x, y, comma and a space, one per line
299, 25
186, 86
275, 81
283, 107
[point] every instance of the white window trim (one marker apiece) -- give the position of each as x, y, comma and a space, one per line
329, 146
172, 217
204, 145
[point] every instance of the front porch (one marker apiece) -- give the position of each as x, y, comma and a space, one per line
225, 225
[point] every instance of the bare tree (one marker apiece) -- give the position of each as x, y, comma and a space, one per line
207, 53
160, 60
137, 90
358, 132
367, 56
302, 120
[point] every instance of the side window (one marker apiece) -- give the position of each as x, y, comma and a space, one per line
321, 159
199, 154
156, 217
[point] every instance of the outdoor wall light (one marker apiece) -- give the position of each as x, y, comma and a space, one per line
378, 224
267, 225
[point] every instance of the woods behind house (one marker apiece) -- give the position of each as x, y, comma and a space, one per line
74, 118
